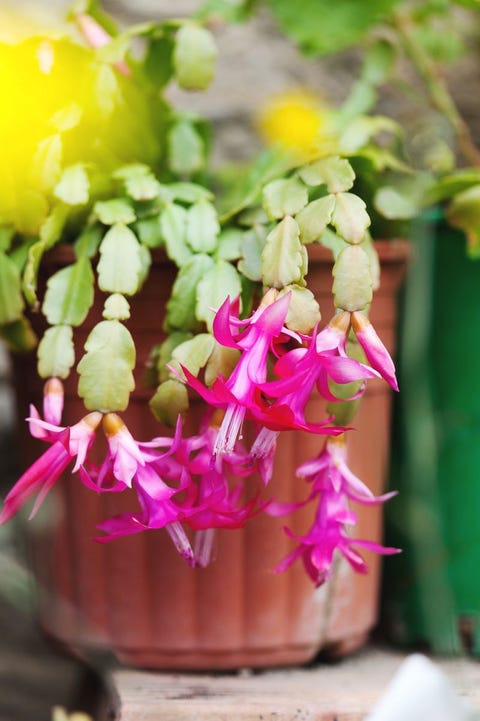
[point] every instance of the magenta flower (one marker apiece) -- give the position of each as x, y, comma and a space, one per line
127, 524
301, 371
327, 535
138, 465
377, 355
211, 503
330, 471
52, 409
124, 457
239, 393
207, 501
333, 484
66, 444
157, 511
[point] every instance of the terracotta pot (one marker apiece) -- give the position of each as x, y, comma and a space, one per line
138, 598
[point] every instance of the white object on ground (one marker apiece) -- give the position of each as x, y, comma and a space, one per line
420, 691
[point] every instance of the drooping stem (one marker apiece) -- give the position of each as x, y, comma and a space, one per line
437, 88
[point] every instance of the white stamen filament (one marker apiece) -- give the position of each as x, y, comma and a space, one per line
180, 541
203, 547
230, 429
264, 443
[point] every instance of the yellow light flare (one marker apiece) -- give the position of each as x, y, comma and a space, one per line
61, 105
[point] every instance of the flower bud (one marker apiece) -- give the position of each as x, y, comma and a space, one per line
377, 355
53, 400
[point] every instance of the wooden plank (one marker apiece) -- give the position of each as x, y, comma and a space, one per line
345, 691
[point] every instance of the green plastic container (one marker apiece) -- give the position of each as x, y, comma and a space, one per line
432, 592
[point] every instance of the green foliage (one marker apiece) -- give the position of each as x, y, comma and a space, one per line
116, 210
221, 362
139, 182
6, 236
148, 231
303, 310
186, 148
230, 244
69, 294
284, 256
391, 203
202, 227
334, 172
158, 63
73, 187
30, 275
333, 242
194, 57
164, 352
250, 264
170, 400
11, 301
50, 234
19, 336
173, 227
219, 281
377, 68
193, 353
352, 285
56, 354
284, 197
120, 266
183, 299
227, 10
105, 370
350, 217
88, 241
313, 220
149, 199
47, 163
320, 28
116, 307
189, 192
464, 213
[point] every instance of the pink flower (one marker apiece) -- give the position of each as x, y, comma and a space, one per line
333, 484
66, 444
157, 511
239, 393
125, 457
139, 465
129, 523
317, 547
211, 503
301, 371
52, 408
377, 355
81, 435
329, 471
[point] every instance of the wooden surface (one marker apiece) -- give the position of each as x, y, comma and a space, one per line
345, 691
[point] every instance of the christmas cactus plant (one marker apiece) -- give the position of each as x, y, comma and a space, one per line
109, 169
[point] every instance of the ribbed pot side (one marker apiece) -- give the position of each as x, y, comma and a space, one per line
137, 598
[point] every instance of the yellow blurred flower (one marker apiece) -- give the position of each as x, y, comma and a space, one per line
59, 106
297, 121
